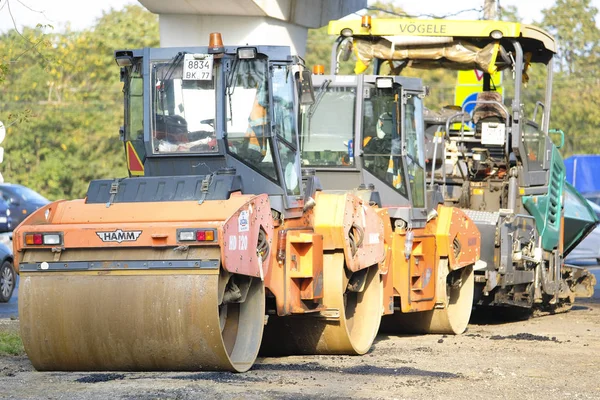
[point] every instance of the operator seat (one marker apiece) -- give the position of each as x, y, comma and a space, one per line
170, 128
488, 112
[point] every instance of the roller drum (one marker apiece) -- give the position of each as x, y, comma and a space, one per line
348, 326
452, 318
137, 322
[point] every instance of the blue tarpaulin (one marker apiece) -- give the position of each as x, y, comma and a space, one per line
583, 172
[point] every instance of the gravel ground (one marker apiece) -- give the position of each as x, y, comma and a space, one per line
551, 357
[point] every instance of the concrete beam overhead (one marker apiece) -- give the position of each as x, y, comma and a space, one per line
306, 13
203, 7
258, 22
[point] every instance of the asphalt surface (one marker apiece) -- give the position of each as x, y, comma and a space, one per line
549, 358
552, 358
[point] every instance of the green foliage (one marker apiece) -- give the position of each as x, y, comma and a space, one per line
10, 344
318, 48
509, 13
3, 71
576, 91
573, 23
66, 101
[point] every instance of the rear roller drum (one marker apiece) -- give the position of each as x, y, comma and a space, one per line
350, 324
241, 320
452, 319
141, 322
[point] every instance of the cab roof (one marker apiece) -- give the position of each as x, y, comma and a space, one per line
536, 39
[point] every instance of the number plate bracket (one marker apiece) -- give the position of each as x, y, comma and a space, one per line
197, 67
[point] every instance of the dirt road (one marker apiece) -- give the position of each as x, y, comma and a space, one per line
552, 357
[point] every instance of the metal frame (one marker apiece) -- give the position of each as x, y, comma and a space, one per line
529, 176
117, 265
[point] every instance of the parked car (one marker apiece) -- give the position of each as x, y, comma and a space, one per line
5, 218
8, 278
589, 249
21, 200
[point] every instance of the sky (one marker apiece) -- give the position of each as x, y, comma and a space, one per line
81, 14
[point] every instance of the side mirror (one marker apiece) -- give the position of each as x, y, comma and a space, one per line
562, 137
123, 74
307, 92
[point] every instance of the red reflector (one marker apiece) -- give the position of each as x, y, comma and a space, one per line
37, 238
200, 236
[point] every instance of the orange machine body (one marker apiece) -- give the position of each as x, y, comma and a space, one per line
116, 231
414, 277
293, 274
296, 274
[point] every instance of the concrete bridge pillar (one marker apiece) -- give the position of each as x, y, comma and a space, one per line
259, 22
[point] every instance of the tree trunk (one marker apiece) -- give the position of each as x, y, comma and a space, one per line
490, 8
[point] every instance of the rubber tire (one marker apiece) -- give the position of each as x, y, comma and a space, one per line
7, 266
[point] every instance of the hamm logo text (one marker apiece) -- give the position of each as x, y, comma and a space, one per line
119, 236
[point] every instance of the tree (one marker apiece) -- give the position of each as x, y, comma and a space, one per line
509, 13
72, 90
573, 23
576, 89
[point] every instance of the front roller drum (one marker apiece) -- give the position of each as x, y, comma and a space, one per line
138, 322
348, 326
452, 319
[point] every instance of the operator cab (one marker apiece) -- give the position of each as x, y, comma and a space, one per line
367, 131
215, 110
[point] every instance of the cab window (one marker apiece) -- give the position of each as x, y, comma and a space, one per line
328, 129
283, 123
414, 139
134, 115
283, 104
381, 140
135, 106
535, 144
248, 122
183, 111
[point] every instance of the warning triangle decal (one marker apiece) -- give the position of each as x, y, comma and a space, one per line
133, 161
